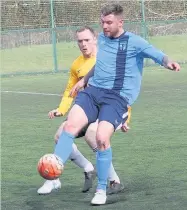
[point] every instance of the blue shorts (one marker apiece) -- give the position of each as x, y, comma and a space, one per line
104, 105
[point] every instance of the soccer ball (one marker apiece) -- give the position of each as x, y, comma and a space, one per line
50, 167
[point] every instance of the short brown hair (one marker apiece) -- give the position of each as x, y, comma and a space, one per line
86, 28
115, 9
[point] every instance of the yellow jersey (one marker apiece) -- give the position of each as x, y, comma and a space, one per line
80, 67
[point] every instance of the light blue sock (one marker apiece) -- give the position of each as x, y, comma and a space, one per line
63, 148
104, 160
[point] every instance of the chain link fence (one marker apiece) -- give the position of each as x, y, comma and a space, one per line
37, 36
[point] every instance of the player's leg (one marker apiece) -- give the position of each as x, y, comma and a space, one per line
63, 148
115, 186
103, 160
90, 137
83, 112
89, 171
76, 157
110, 117
76, 120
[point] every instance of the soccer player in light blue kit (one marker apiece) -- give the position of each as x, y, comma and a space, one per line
114, 86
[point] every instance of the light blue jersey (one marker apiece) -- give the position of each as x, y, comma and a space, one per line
119, 64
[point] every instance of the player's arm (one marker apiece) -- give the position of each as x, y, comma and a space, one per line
89, 75
149, 51
66, 100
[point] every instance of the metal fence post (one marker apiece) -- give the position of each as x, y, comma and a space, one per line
53, 38
144, 27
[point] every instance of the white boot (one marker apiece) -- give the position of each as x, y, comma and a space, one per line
99, 198
49, 186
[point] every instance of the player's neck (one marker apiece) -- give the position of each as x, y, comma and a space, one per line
120, 32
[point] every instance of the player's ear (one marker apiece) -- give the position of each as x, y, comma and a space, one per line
121, 21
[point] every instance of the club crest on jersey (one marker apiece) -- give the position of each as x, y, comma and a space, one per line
122, 46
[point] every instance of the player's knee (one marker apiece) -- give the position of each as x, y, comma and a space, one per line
103, 141
71, 128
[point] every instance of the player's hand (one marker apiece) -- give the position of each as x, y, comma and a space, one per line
76, 88
125, 127
54, 113
173, 66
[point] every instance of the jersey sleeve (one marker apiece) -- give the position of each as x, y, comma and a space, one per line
149, 51
66, 101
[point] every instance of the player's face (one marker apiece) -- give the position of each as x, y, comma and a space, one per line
111, 25
86, 42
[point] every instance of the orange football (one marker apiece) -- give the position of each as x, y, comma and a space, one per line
50, 167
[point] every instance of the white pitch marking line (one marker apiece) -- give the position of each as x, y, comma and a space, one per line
31, 93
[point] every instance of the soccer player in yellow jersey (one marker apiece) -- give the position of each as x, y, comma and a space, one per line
87, 42
80, 67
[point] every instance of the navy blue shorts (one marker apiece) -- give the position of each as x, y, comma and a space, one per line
104, 105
